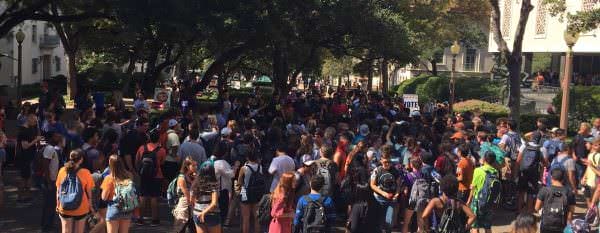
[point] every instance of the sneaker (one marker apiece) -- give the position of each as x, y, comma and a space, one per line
155, 223
140, 222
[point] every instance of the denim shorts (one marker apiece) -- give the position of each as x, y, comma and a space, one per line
113, 213
210, 220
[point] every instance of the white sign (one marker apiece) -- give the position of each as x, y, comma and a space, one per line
411, 101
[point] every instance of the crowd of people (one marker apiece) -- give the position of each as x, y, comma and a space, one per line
309, 162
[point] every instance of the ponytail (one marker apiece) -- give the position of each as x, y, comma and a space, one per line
74, 157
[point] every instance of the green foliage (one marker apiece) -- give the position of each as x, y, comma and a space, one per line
541, 61
434, 89
410, 86
480, 106
583, 104
581, 21
477, 88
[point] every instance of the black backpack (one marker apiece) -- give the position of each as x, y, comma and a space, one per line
554, 211
531, 158
453, 219
264, 210
314, 219
148, 166
256, 185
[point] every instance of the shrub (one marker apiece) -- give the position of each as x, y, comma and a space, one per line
583, 104
431, 88
480, 106
410, 86
434, 89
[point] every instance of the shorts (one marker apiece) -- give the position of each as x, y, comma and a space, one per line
113, 213
528, 182
210, 220
150, 187
74, 218
24, 165
483, 220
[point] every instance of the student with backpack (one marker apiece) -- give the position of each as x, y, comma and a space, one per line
205, 199
557, 203
359, 198
326, 168
385, 182
415, 165
149, 159
119, 191
253, 187
181, 193
74, 190
529, 162
485, 193
464, 173
564, 162
453, 215
50, 166
315, 213
282, 205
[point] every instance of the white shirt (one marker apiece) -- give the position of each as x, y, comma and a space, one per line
280, 164
51, 154
224, 174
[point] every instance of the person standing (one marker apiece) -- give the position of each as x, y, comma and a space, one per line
192, 148
339, 157
150, 158
590, 178
27, 141
251, 191
309, 205
557, 203
72, 214
132, 141
93, 160
171, 164
119, 191
50, 167
282, 205
205, 199
484, 178
464, 173
325, 167
282, 163
579, 149
385, 183
186, 177
439, 205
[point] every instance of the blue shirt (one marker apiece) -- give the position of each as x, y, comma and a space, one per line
327, 202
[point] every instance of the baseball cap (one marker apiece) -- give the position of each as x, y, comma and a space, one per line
364, 130
458, 135
225, 131
173, 123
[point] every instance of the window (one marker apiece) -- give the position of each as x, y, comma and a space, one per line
470, 59
34, 65
439, 57
588, 5
540, 21
33, 33
57, 62
506, 18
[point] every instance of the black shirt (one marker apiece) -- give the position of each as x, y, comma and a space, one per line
26, 134
131, 142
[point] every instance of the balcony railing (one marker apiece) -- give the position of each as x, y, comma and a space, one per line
49, 41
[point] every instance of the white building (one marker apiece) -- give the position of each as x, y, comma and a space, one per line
545, 34
43, 54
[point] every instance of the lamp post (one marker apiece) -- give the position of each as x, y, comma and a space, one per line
20, 37
570, 38
455, 50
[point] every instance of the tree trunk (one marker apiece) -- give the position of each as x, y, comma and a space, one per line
280, 70
218, 65
514, 81
72, 72
385, 77
434, 69
370, 78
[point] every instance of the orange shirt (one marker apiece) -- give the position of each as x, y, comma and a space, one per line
161, 155
108, 184
85, 177
465, 170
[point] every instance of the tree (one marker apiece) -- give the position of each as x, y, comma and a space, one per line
512, 58
580, 21
17, 11
339, 68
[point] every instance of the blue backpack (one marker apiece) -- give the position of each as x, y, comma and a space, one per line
70, 192
560, 164
489, 195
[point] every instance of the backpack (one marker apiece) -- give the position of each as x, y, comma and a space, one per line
579, 226
515, 143
531, 158
386, 180
322, 169
423, 189
314, 218
70, 192
148, 167
256, 185
453, 218
362, 211
126, 197
560, 164
264, 210
173, 192
554, 211
489, 195
551, 148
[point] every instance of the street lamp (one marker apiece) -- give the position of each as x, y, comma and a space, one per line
20, 37
570, 38
455, 50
